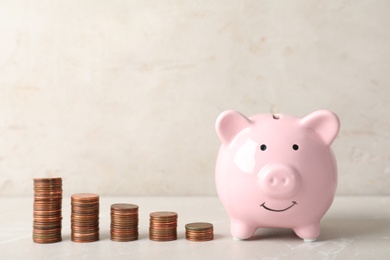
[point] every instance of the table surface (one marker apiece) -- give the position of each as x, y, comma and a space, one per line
353, 228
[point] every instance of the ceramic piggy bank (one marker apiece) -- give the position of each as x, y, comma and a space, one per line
276, 171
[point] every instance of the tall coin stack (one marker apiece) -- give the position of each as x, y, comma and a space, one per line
124, 222
163, 226
199, 231
85, 217
47, 210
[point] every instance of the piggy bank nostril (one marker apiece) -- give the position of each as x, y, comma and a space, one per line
279, 180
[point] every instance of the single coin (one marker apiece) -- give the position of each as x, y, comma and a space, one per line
163, 214
55, 179
85, 197
199, 226
124, 207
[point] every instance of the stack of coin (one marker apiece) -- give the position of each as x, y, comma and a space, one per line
85, 217
47, 210
163, 226
124, 222
199, 231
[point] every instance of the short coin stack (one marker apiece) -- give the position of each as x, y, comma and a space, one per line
124, 222
199, 231
47, 210
163, 226
85, 217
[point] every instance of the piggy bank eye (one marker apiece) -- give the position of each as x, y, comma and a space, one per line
295, 147
263, 147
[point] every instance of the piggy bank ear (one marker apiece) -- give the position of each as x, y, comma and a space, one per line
229, 123
325, 123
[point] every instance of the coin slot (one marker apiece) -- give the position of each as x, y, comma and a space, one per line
276, 117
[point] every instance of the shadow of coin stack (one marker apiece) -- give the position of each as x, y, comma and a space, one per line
124, 222
47, 210
163, 226
85, 217
199, 231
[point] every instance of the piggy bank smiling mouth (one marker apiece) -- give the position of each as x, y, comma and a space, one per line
279, 210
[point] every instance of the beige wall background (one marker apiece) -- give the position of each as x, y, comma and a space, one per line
120, 97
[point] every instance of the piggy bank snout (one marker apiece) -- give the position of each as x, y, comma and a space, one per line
279, 181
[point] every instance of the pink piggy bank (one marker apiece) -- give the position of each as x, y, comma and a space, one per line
276, 171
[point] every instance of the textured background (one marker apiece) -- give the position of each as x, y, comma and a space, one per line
120, 97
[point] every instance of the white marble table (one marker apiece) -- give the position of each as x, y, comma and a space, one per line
354, 228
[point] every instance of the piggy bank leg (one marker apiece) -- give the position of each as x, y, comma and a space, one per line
241, 230
308, 233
